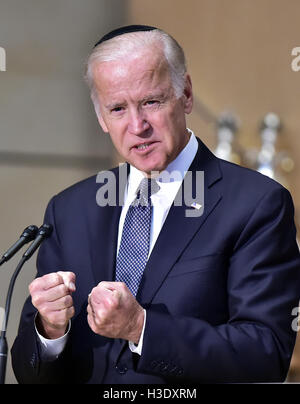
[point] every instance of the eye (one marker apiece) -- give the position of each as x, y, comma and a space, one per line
151, 103
117, 110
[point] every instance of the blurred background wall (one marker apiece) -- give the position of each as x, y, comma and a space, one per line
49, 135
239, 57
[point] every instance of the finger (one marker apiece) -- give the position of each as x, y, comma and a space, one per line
112, 286
107, 285
97, 317
69, 279
51, 280
91, 322
119, 289
51, 300
117, 295
100, 296
61, 317
64, 302
91, 318
69, 312
56, 293
90, 310
45, 282
104, 288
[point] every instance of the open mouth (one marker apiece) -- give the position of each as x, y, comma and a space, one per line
144, 147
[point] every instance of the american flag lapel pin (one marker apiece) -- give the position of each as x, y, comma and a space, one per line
196, 205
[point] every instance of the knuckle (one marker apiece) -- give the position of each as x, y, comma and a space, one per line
67, 277
68, 301
123, 286
71, 276
98, 321
47, 281
36, 300
92, 327
112, 303
55, 277
71, 312
101, 316
51, 279
31, 286
35, 285
63, 290
95, 296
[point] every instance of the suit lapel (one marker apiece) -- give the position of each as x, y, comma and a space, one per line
179, 229
104, 223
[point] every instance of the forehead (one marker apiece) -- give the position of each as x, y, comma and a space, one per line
144, 70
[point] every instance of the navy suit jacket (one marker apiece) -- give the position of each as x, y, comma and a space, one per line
219, 289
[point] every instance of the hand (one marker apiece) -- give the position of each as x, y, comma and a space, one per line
114, 312
51, 295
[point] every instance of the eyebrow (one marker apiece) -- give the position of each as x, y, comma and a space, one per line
159, 96
115, 105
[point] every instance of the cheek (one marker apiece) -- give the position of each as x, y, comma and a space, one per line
162, 123
170, 125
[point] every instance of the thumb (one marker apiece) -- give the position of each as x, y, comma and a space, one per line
117, 294
69, 279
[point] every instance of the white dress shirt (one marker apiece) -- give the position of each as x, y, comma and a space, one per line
169, 181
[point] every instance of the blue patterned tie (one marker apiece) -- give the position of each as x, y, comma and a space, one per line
134, 247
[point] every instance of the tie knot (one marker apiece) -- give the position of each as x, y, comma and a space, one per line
147, 187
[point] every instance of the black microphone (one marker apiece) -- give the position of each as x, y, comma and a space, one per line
28, 234
43, 232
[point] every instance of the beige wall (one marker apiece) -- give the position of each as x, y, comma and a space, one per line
49, 135
239, 57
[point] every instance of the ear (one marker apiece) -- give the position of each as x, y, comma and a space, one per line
188, 95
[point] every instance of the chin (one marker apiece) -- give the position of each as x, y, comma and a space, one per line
148, 168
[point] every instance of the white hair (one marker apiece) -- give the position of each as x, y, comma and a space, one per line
132, 44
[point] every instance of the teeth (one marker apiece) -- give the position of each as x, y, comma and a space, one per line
143, 146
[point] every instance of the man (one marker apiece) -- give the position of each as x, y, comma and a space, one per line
149, 292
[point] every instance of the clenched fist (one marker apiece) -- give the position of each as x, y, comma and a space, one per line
51, 295
114, 312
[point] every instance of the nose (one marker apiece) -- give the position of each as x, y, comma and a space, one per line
137, 123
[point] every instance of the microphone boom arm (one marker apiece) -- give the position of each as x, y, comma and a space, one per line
3, 341
44, 232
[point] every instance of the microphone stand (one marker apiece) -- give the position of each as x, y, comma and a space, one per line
3, 342
43, 232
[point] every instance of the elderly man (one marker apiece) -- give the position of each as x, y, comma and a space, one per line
143, 292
